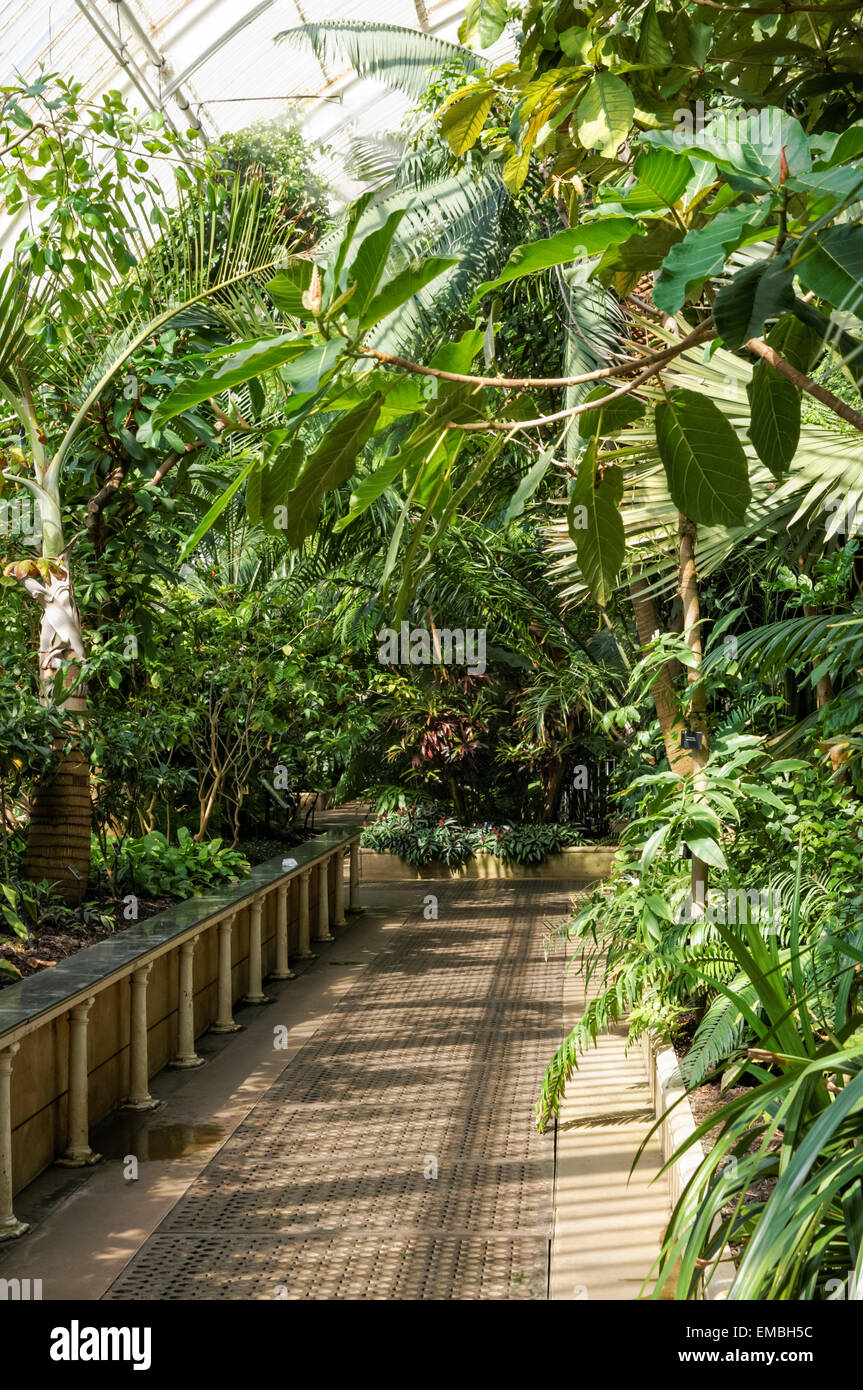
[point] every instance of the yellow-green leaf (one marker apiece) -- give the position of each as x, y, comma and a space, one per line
605, 114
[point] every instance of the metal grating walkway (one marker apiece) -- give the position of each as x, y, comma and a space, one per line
395, 1157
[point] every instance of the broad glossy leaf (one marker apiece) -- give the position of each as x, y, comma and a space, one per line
329, 466
653, 46
404, 286
367, 267
704, 846
616, 416
702, 253
605, 114
370, 488
462, 122
832, 268
277, 478
600, 543
749, 146
774, 402
287, 287
528, 486
483, 24
757, 294
306, 372
663, 178
252, 361
587, 239
704, 460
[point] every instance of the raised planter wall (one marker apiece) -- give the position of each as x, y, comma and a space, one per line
576, 862
671, 1106
36, 1013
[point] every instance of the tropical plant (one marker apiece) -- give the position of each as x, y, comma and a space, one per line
780, 1184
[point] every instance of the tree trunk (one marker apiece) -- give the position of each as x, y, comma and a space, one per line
688, 582
553, 789
58, 838
664, 694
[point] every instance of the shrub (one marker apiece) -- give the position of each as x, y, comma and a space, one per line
153, 866
419, 835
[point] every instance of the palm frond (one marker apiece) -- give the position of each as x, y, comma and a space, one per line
401, 58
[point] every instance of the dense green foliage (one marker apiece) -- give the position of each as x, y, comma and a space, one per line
579, 372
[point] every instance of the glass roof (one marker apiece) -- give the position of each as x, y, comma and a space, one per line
213, 63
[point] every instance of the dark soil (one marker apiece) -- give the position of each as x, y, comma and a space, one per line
50, 944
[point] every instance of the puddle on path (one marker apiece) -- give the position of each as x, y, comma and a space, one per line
125, 1134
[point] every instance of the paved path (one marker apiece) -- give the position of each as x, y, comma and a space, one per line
608, 1223
395, 1157
390, 1153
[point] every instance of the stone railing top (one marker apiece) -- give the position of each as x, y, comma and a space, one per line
32, 1001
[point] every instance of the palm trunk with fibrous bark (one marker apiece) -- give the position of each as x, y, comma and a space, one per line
688, 583
58, 839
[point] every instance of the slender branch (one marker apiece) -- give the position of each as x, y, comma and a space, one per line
784, 7
805, 383
701, 334
513, 426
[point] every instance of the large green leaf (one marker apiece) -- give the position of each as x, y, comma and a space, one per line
748, 147
596, 525
605, 114
653, 47
330, 465
613, 417
277, 478
663, 178
235, 370
832, 267
528, 486
403, 286
587, 239
370, 488
704, 460
484, 22
699, 837
288, 285
643, 251
774, 402
760, 292
462, 122
702, 253
367, 267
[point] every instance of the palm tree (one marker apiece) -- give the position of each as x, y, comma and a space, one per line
204, 260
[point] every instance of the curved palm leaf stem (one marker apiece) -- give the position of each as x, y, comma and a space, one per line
703, 333
805, 383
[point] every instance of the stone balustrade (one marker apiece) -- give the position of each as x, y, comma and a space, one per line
85, 1037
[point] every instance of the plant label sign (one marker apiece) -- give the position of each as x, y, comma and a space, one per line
691, 738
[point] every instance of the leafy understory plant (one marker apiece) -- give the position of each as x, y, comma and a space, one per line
154, 866
793, 1133
420, 834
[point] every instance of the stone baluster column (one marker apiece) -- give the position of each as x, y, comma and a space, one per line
225, 1009
255, 993
354, 904
10, 1226
186, 1055
139, 1069
283, 970
339, 919
304, 950
78, 1152
323, 932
